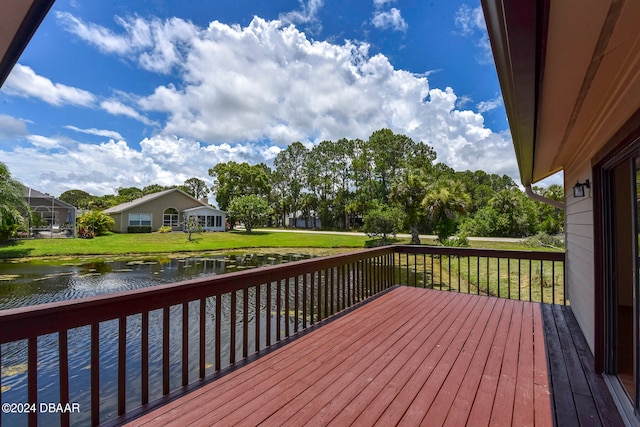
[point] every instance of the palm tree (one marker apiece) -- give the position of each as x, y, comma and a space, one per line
443, 201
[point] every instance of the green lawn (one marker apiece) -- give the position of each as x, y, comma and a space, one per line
176, 242
125, 244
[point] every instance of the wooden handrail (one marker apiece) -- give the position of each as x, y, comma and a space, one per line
33, 321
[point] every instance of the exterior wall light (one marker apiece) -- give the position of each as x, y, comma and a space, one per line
578, 189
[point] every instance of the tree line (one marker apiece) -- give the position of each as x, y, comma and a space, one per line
343, 183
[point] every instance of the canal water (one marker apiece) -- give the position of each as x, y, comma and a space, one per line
31, 283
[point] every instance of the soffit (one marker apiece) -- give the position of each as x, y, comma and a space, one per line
591, 80
19, 19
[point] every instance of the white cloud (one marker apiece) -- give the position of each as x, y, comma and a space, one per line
242, 93
470, 23
489, 105
382, 3
11, 127
117, 108
155, 44
55, 166
24, 82
390, 19
43, 141
308, 15
98, 132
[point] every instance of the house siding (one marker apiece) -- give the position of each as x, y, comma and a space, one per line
579, 235
156, 208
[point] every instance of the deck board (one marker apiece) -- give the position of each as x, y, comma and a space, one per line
410, 357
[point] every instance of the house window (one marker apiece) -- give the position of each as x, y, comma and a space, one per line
218, 221
202, 220
139, 219
170, 218
209, 221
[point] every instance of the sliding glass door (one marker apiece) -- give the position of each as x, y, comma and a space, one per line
620, 196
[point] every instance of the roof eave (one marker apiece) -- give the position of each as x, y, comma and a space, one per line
517, 32
21, 38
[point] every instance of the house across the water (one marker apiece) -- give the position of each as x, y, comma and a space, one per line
52, 217
170, 208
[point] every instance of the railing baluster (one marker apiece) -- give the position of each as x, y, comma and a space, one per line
312, 291
296, 302
268, 314
185, 344
278, 309
509, 277
468, 274
232, 327
319, 287
218, 333
95, 374
287, 308
478, 274
258, 318
530, 279
332, 303
541, 283
406, 269
498, 261
202, 365
144, 355
553, 282
122, 365
304, 301
342, 288
415, 270
32, 378
165, 350
459, 286
245, 322
326, 293
488, 277
449, 262
63, 374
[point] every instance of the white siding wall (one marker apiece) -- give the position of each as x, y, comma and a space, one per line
579, 268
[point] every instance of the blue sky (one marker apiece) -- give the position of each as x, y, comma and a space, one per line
130, 93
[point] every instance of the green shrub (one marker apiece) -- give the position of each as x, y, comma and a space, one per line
139, 229
382, 222
460, 241
544, 240
96, 221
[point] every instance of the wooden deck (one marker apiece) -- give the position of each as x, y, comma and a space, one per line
410, 357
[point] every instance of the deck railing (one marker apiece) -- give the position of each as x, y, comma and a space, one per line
206, 327
522, 275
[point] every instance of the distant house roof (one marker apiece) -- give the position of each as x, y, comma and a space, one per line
144, 199
205, 206
18, 21
34, 196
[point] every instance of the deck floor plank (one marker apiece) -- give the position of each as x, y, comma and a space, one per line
412, 356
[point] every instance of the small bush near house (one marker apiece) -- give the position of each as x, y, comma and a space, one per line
139, 229
85, 233
544, 240
98, 222
164, 229
382, 222
460, 241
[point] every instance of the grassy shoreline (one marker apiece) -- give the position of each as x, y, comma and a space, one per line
176, 243
131, 245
